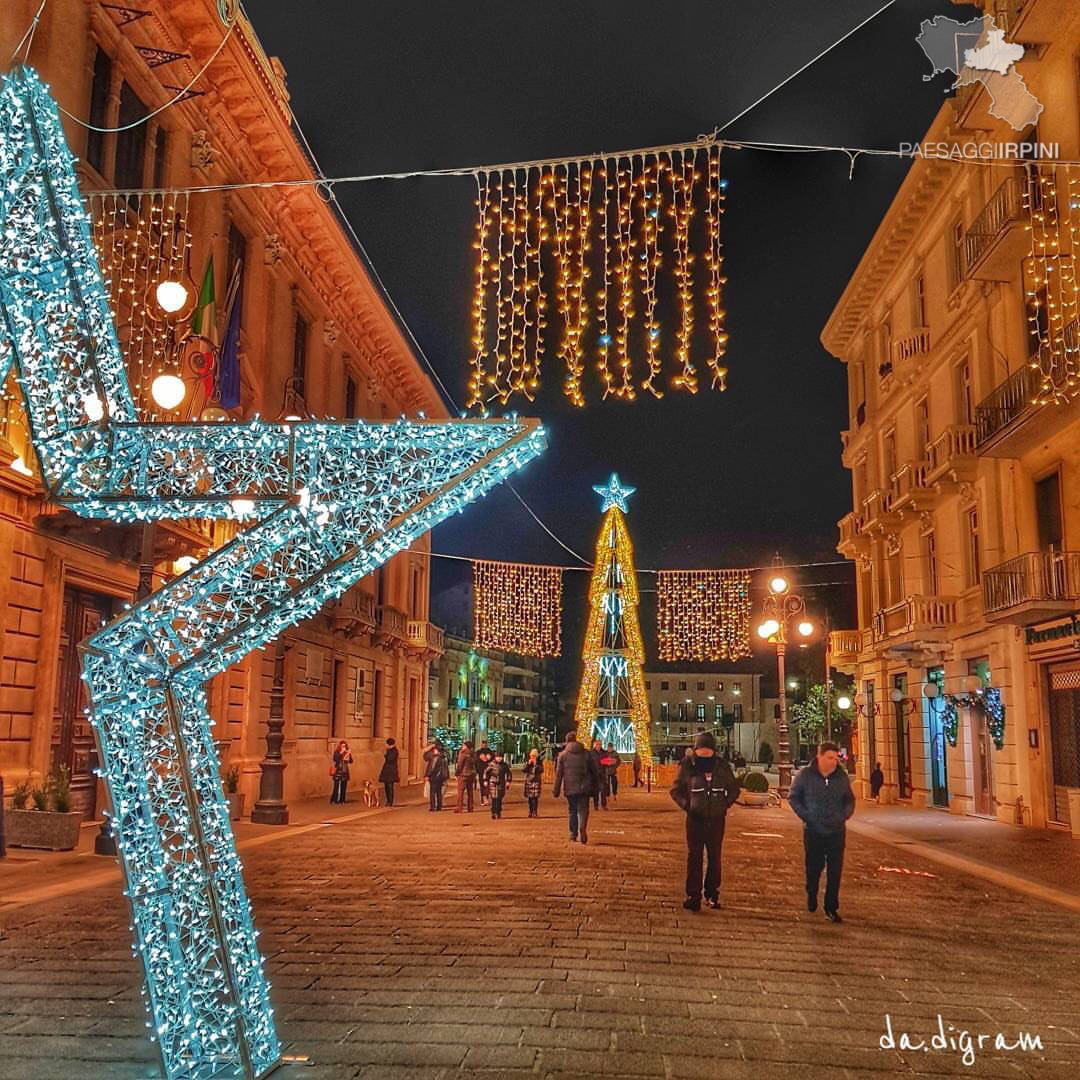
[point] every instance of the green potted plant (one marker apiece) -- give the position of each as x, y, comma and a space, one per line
755, 789
233, 793
40, 815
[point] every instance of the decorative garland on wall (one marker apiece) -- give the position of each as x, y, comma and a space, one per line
543, 231
988, 700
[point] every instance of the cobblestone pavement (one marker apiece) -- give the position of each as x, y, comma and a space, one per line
418, 946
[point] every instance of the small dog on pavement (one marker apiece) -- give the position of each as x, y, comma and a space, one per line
371, 795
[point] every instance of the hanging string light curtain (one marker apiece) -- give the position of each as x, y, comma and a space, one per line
598, 241
703, 615
1053, 288
143, 243
518, 607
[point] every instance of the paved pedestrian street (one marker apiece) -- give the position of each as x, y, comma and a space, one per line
412, 945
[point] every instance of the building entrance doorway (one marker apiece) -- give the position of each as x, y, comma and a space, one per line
903, 737
933, 712
73, 744
1064, 738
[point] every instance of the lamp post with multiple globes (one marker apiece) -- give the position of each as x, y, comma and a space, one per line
783, 613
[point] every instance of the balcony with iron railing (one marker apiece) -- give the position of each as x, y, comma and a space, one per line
907, 351
998, 238
1002, 417
351, 613
952, 458
1032, 587
913, 616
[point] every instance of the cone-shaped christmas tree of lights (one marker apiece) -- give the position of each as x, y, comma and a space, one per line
611, 704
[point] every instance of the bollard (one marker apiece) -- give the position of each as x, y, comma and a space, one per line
648, 780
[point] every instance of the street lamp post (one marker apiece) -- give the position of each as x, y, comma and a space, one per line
783, 611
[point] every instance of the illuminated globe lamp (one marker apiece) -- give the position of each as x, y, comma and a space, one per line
843, 703
171, 296
168, 392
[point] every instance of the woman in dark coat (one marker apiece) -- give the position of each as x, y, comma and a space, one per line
340, 772
436, 774
534, 781
388, 775
877, 781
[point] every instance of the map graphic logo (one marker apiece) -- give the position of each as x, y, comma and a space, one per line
976, 51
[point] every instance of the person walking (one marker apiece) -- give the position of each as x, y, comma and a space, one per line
612, 761
497, 776
484, 757
534, 781
340, 771
599, 796
877, 782
821, 795
466, 777
436, 774
576, 774
704, 788
638, 782
388, 774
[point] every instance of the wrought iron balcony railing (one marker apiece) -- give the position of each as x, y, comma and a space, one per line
1032, 580
914, 614
1005, 208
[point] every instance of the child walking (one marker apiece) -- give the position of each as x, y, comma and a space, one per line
534, 780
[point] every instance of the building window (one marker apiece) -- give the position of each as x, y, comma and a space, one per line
99, 105
918, 301
736, 712
1048, 512
701, 685
888, 456
974, 562
930, 554
236, 253
885, 347
718, 713
663, 685
922, 428
299, 364
701, 714
350, 398
664, 714
956, 254
682, 712
161, 146
965, 410
860, 482
130, 144
1038, 319
682, 686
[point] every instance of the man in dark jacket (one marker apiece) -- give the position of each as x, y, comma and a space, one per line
704, 787
577, 775
821, 795
436, 774
388, 774
484, 757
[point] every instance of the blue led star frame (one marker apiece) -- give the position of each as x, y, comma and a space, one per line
330, 502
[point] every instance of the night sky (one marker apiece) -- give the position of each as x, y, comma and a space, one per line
723, 479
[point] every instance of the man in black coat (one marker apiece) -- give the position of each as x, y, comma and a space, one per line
704, 787
821, 795
577, 775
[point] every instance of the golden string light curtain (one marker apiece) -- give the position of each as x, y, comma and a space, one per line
703, 615
1053, 288
142, 241
517, 607
610, 243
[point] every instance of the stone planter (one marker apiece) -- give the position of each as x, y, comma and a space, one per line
236, 804
753, 798
42, 829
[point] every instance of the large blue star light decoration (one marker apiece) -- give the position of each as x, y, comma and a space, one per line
613, 493
332, 501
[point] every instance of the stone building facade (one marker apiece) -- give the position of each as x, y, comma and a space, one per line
966, 492
317, 337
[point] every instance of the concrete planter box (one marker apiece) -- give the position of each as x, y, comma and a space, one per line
753, 798
236, 804
42, 829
